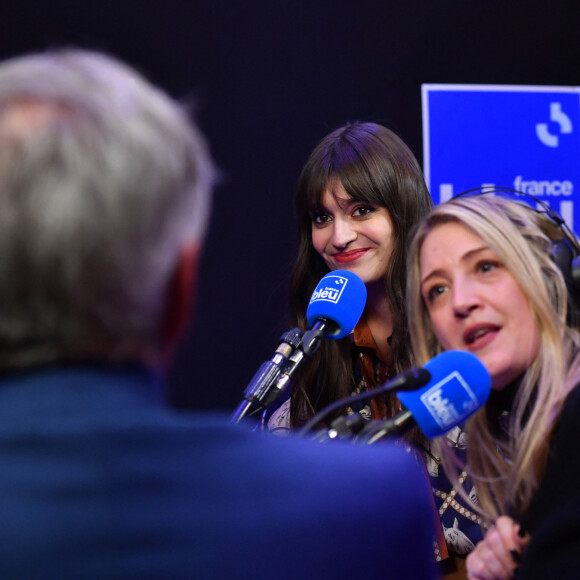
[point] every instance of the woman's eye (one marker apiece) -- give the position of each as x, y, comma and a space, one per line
435, 291
320, 218
486, 266
363, 210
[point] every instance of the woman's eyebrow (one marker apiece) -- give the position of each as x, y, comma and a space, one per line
466, 257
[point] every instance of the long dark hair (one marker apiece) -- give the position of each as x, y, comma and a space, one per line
373, 165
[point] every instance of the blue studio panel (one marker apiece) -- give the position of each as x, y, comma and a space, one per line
523, 137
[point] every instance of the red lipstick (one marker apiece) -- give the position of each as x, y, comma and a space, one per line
350, 256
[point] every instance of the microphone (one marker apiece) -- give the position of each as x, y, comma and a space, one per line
459, 386
338, 299
333, 311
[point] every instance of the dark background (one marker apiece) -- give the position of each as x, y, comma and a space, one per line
269, 79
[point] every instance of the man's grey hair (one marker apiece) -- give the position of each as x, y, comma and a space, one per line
103, 177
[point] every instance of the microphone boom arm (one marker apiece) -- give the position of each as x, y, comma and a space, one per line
411, 379
377, 430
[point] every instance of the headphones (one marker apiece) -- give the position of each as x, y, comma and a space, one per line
565, 252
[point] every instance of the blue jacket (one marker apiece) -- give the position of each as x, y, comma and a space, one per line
98, 479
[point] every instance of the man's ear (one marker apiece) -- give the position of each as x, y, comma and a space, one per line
181, 294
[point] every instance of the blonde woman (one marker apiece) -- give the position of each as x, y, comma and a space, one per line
482, 278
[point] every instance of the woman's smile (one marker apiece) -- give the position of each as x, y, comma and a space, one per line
350, 255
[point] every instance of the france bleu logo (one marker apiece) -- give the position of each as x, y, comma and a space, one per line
329, 289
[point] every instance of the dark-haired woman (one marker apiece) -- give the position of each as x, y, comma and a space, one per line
358, 196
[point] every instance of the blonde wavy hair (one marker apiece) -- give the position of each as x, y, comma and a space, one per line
507, 464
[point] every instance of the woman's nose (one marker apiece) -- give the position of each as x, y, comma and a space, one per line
343, 233
464, 298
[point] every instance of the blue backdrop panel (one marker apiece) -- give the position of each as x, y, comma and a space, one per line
525, 137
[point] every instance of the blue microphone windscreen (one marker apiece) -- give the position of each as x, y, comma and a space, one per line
340, 296
459, 386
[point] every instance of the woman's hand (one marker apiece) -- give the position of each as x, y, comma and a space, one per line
498, 555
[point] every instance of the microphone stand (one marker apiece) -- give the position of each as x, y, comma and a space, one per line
275, 375
308, 346
258, 394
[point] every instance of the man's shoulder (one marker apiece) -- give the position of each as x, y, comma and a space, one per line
232, 502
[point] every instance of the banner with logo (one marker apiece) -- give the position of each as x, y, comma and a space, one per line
523, 137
